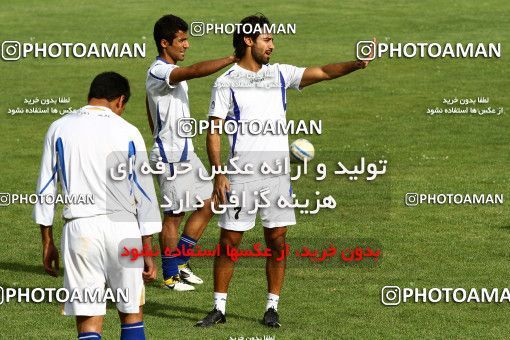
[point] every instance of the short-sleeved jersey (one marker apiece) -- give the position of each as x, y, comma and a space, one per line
167, 104
79, 151
243, 95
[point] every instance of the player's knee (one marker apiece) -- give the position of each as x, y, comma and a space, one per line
208, 205
275, 236
172, 222
232, 239
206, 211
126, 318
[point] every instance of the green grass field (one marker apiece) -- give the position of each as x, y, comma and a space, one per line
378, 112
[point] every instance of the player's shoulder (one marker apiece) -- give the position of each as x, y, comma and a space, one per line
62, 121
280, 67
229, 74
107, 116
228, 78
127, 126
161, 63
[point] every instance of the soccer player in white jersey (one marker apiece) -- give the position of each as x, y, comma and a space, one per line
79, 149
252, 90
167, 102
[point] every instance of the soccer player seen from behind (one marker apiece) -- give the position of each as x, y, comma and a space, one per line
262, 98
79, 151
167, 103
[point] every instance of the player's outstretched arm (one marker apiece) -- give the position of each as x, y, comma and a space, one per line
221, 184
201, 69
50, 252
314, 75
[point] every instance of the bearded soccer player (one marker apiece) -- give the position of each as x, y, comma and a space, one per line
266, 102
167, 103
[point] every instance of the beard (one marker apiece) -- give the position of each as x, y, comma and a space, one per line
260, 58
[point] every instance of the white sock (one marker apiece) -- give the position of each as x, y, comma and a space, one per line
272, 301
220, 301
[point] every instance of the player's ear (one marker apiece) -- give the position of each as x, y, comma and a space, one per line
122, 101
119, 104
164, 43
248, 41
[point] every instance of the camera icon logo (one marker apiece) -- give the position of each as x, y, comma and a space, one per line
197, 29
11, 50
411, 199
186, 127
364, 49
390, 295
5, 199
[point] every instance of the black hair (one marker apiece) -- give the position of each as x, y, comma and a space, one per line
252, 20
109, 85
166, 28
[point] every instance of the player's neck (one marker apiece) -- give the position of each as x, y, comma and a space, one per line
105, 103
167, 58
248, 63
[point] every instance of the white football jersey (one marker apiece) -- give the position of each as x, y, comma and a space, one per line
167, 104
80, 151
243, 95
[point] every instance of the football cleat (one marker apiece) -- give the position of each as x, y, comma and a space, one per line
175, 283
214, 317
271, 318
188, 276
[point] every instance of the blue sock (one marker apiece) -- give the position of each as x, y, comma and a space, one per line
89, 336
185, 242
169, 264
132, 331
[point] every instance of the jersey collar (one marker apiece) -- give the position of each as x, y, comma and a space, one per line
99, 109
264, 66
161, 59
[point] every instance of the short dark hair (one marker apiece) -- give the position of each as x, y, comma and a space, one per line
167, 27
109, 86
252, 20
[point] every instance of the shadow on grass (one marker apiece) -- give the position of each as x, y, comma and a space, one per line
22, 286
26, 268
176, 311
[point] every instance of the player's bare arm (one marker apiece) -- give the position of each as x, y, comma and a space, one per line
151, 125
201, 69
50, 252
221, 183
150, 272
314, 75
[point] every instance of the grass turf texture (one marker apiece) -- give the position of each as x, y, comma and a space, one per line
379, 111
